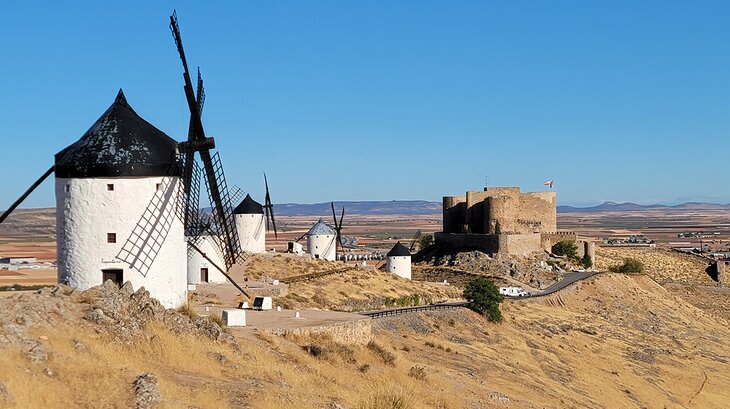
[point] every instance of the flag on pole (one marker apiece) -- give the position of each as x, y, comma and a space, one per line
549, 183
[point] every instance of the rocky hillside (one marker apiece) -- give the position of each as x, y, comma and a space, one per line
613, 341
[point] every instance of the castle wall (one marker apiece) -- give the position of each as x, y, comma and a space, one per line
548, 240
475, 212
537, 214
454, 208
487, 243
502, 210
519, 244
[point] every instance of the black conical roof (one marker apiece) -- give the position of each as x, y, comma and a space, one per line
249, 206
120, 143
398, 250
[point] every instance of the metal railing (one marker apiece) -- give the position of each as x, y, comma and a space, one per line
311, 276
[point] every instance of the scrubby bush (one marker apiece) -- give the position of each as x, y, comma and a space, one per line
386, 356
417, 372
484, 298
630, 266
424, 241
587, 261
566, 248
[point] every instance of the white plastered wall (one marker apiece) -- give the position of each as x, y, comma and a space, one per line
196, 261
149, 244
399, 265
322, 245
251, 232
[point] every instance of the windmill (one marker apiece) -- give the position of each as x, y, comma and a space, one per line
121, 144
415, 238
338, 228
269, 208
221, 222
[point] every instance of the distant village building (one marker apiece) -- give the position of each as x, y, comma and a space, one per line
398, 261
115, 198
503, 220
200, 270
321, 241
17, 260
251, 226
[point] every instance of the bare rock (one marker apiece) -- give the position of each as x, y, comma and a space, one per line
97, 316
147, 394
78, 346
5, 396
37, 353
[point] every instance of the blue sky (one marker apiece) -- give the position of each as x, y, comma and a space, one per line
380, 100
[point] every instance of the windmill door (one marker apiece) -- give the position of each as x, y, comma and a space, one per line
113, 274
204, 275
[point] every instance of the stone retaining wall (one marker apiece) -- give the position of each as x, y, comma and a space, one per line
348, 332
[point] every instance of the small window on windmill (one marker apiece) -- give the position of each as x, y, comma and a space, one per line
111, 237
110, 187
67, 188
158, 187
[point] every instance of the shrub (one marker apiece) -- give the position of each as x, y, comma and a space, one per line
218, 320
386, 356
566, 248
497, 228
424, 241
587, 261
187, 309
314, 350
630, 266
484, 298
417, 372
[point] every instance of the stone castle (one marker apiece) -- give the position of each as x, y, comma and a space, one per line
504, 220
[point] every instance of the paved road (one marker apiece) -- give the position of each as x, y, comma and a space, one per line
568, 279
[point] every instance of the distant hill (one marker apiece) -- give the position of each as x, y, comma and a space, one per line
632, 207
406, 207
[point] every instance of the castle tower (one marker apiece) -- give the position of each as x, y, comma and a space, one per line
321, 241
250, 225
116, 189
398, 261
200, 270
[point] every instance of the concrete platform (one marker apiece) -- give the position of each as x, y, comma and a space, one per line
285, 319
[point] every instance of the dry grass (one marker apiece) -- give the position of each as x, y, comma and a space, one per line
616, 340
360, 290
278, 266
660, 264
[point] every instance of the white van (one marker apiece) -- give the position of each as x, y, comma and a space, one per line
513, 291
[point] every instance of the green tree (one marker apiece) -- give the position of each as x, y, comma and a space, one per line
497, 228
630, 266
484, 298
424, 241
587, 261
566, 248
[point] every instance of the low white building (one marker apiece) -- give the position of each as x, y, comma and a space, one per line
200, 270
17, 260
321, 241
398, 261
251, 226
